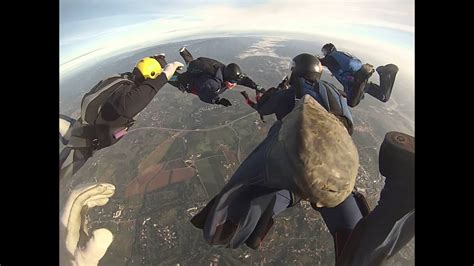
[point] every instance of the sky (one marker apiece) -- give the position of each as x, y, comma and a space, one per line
92, 30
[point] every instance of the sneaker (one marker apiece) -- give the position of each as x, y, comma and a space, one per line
387, 76
186, 55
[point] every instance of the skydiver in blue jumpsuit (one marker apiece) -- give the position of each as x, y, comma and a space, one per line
353, 75
305, 80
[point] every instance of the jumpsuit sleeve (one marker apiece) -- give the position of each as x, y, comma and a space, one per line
247, 82
269, 105
134, 100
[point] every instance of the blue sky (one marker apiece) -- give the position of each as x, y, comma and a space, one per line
95, 29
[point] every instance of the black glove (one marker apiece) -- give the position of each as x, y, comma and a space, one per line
161, 59
244, 93
224, 102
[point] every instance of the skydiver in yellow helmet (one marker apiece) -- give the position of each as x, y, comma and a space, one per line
109, 109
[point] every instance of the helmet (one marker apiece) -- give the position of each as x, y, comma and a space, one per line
232, 73
328, 48
149, 67
306, 66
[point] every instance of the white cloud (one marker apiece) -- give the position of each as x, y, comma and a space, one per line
264, 47
357, 22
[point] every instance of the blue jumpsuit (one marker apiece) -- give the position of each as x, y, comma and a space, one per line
243, 211
245, 208
343, 66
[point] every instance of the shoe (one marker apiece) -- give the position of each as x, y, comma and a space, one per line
387, 76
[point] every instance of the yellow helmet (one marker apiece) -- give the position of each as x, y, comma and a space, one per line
149, 67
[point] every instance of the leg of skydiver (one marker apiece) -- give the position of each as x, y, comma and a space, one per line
374, 90
390, 225
180, 81
341, 220
248, 100
356, 88
282, 201
243, 211
187, 56
65, 123
387, 76
71, 160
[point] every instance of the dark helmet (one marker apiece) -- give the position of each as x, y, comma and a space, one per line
328, 48
232, 73
306, 66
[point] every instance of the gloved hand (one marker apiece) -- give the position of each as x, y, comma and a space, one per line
85, 196
224, 101
171, 68
259, 89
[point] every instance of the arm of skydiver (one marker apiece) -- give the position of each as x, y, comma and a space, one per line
248, 100
330, 63
208, 92
134, 99
248, 82
268, 103
323, 61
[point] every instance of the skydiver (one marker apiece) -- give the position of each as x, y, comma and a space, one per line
257, 192
243, 211
353, 75
109, 109
208, 78
305, 79
307, 155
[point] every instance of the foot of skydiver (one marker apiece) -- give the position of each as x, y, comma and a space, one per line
400, 148
387, 76
356, 90
71, 160
248, 223
187, 56
390, 225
